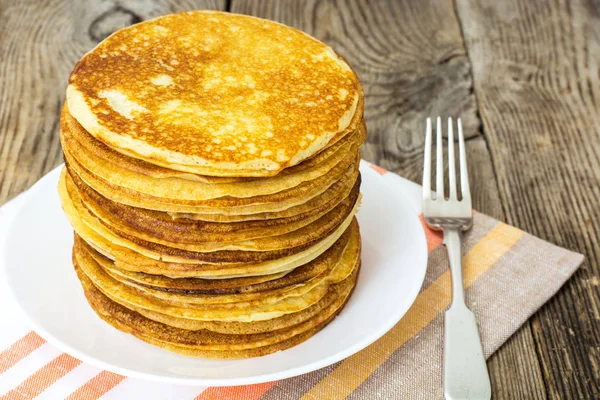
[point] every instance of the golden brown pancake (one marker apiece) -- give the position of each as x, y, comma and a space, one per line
258, 96
206, 343
238, 328
133, 261
222, 307
269, 238
70, 128
212, 180
339, 156
224, 205
130, 261
267, 291
79, 215
319, 204
163, 226
252, 284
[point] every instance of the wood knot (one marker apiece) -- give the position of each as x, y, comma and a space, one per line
111, 21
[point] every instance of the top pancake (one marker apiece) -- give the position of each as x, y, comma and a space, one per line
215, 94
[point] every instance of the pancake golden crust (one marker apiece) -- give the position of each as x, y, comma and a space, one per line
269, 238
69, 127
330, 269
223, 251
240, 328
259, 96
227, 204
213, 344
78, 214
316, 205
134, 262
338, 158
163, 226
159, 264
254, 284
245, 311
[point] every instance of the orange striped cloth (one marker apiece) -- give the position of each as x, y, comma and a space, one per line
508, 275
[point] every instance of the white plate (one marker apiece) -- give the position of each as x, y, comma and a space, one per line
40, 276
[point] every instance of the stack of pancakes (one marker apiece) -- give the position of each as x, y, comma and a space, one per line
211, 177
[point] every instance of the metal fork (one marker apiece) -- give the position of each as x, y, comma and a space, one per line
465, 370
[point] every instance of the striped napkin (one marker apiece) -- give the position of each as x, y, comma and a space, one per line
508, 275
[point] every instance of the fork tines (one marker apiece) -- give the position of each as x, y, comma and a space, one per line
464, 178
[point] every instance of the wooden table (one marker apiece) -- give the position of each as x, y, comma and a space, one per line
523, 75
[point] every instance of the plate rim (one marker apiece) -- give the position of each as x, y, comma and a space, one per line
195, 381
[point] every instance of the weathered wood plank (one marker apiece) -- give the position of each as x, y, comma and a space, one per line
535, 67
412, 62
513, 376
40, 42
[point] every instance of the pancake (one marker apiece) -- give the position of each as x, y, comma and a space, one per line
237, 328
319, 204
69, 127
252, 284
326, 267
259, 96
132, 261
223, 205
212, 180
135, 262
84, 222
340, 157
213, 344
299, 298
268, 238
160, 225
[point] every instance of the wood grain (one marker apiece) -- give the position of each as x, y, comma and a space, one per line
40, 42
413, 68
535, 66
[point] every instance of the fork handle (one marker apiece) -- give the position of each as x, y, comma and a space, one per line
465, 370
